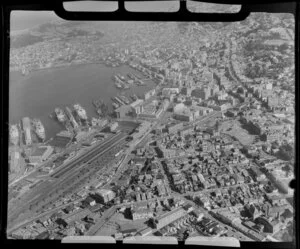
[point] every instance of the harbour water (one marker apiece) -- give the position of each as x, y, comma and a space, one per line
37, 94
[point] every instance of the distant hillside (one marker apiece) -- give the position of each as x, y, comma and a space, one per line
38, 34
70, 29
212, 7
24, 40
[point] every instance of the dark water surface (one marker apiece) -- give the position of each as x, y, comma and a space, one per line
36, 95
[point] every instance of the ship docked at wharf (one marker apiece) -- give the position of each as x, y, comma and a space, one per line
14, 134
60, 115
120, 82
39, 129
120, 100
81, 113
124, 99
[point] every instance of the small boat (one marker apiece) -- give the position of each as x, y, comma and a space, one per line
115, 105
126, 86
121, 76
134, 97
98, 103
99, 111
118, 85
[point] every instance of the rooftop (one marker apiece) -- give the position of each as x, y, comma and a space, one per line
39, 151
104, 191
179, 209
60, 142
136, 103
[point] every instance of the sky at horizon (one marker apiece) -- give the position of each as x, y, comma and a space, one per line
21, 20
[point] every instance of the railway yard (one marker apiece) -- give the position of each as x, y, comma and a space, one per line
68, 178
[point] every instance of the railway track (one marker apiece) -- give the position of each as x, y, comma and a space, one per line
51, 190
88, 156
80, 175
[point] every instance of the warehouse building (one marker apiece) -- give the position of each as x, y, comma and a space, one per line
104, 195
62, 139
169, 217
40, 154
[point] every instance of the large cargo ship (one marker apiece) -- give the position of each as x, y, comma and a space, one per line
61, 117
14, 134
39, 129
80, 111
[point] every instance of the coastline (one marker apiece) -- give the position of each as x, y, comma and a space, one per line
32, 87
56, 67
